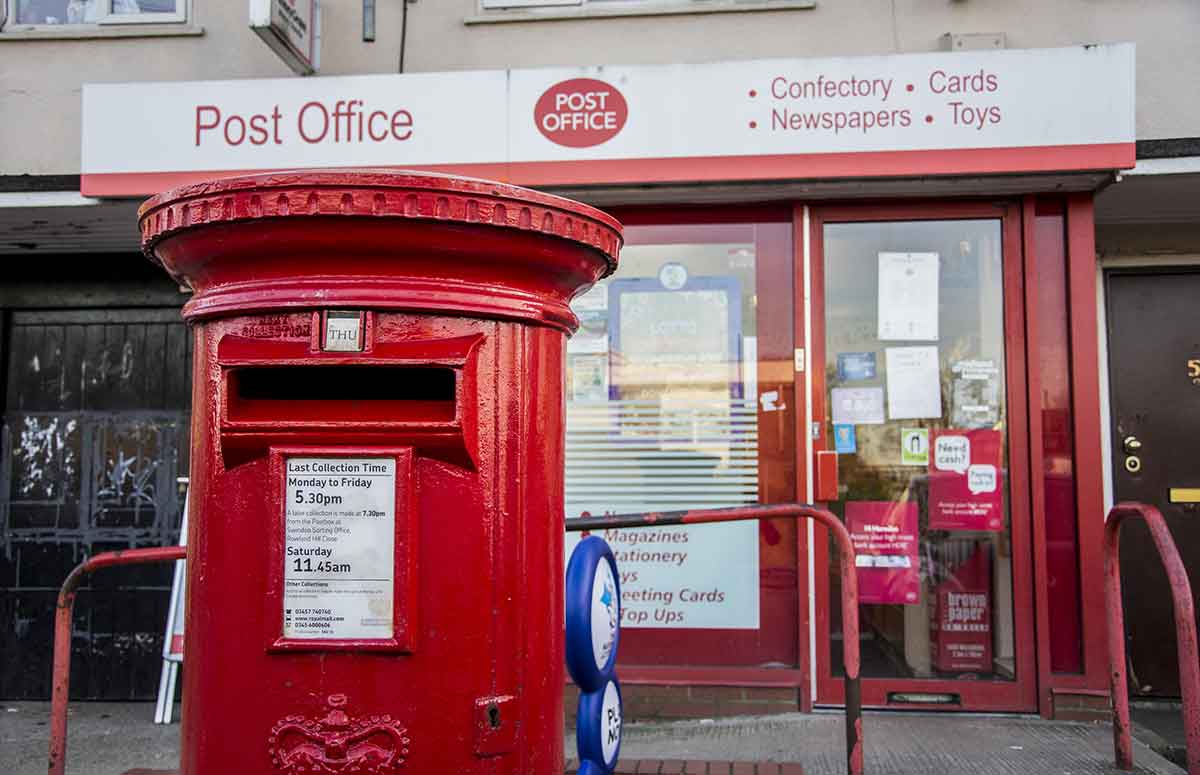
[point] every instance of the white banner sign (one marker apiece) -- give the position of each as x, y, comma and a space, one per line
685, 577
940, 113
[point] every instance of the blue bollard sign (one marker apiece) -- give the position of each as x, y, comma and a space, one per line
593, 614
598, 731
593, 632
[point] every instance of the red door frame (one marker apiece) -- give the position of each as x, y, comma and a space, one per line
1018, 695
1089, 687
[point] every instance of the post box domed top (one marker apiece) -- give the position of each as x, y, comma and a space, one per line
378, 239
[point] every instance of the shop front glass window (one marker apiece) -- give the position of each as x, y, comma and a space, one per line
662, 414
915, 407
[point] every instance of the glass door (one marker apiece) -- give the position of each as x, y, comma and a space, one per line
917, 384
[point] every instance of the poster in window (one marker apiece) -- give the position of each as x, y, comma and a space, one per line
914, 389
961, 629
965, 480
589, 377
908, 297
592, 310
683, 342
884, 535
975, 395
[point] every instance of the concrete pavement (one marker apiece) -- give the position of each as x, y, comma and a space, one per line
109, 738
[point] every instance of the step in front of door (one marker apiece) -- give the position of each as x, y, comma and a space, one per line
696, 767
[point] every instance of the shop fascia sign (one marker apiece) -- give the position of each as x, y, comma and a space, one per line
292, 28
945, 113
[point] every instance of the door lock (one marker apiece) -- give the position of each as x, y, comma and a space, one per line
1131, 445
1133, 464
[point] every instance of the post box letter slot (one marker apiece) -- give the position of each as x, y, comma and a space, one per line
292, 394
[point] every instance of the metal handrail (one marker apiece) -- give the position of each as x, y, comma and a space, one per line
1185, 631
850, 652
851, 659
60, 692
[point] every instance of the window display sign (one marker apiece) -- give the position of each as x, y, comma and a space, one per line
964, 480
885, 551
962, 619
685, 577
687, 336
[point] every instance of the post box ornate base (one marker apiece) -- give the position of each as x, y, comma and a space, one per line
375, 544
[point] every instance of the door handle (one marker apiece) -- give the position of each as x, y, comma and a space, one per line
1131, 445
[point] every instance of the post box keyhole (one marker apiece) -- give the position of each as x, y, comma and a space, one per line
493, 713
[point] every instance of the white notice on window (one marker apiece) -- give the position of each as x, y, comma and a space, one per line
856, 406
908, 296
914, 389
339, 547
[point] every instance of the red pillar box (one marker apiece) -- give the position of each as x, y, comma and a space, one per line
375, 550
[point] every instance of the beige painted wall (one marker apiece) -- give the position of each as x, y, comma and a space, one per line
40, 80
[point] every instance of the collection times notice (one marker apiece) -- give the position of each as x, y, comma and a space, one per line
338, 561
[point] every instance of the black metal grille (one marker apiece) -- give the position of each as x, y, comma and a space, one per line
95, 434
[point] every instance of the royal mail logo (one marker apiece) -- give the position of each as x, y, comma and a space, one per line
581, 112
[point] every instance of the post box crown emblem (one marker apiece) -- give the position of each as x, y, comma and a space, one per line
338, 744
429, 243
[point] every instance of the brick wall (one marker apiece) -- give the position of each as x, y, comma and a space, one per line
643, 703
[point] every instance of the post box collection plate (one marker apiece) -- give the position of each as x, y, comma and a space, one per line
343, 573
338, 548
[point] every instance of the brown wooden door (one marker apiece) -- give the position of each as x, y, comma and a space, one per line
1154, 368
94, 434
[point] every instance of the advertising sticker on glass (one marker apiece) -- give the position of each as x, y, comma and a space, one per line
885, 551
964, 480
961, 627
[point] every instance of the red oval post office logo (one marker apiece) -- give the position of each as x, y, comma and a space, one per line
580, 112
